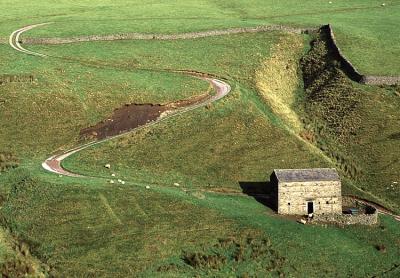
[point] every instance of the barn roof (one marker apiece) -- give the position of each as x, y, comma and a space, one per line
304, 175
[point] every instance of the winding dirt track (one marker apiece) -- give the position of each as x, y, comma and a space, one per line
53, 163
14, 39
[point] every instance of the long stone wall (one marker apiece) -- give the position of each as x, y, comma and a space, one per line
350, 69
190, 35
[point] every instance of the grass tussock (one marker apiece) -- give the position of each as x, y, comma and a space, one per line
8, 161
248, 252
277, 78
16, 259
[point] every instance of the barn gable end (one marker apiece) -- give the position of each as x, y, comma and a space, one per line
303, 191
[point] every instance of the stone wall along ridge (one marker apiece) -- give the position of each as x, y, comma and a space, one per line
350, 70
190, 35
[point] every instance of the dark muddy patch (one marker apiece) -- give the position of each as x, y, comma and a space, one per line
395, 136
134, 115
124, 119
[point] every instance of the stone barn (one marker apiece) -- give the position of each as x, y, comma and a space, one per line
305, 191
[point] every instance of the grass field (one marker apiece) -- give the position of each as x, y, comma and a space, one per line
364, 28
76, 229
179, 213
72, 95
233, 130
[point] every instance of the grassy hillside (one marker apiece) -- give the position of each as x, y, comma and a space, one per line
362, 41
180, 212
218, 145
76, 228
356, 126
46, 112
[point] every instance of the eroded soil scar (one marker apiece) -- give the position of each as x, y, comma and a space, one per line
124, 119
131, 116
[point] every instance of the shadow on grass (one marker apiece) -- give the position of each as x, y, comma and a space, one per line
263, 192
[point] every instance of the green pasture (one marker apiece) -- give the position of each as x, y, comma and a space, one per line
66, 96
366, 30
194, 165
92, 227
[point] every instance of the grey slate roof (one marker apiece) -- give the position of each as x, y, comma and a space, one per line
304, 175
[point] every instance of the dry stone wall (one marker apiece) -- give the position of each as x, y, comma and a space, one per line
10, 78
350, 69
380, 80
191, 35
347, 66
347, 219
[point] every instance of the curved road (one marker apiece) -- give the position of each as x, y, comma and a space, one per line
15, 43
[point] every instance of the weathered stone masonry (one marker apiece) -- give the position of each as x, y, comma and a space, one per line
347, 219
303, 191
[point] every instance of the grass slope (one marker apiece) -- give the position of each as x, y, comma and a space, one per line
218, 145
70, 96
76, 228
91, 227
355, 125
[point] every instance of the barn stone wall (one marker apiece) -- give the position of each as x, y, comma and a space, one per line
293, 197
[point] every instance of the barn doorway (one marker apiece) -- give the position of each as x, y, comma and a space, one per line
310, 207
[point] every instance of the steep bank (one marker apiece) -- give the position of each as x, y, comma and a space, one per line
352, 124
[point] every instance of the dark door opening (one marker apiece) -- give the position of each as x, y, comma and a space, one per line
310, 207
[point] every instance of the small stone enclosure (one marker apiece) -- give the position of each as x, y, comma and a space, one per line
305, 191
